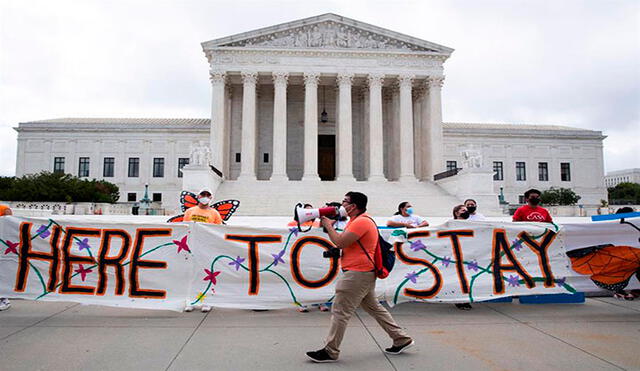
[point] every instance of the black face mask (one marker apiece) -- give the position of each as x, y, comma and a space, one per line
471, 209
464, 215
534, 201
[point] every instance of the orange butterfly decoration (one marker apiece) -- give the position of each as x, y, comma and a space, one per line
226, 208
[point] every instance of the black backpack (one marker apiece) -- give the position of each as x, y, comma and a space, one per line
384, 257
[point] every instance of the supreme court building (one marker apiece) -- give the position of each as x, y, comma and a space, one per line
310, 109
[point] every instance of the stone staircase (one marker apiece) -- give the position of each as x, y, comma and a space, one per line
278, 198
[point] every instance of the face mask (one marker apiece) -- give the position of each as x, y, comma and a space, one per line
409, 211
464, 215
534, 201
471, 209
204, 200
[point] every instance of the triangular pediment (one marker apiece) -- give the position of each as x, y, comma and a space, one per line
327, 31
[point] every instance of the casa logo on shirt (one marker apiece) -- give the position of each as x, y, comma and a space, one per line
535, 217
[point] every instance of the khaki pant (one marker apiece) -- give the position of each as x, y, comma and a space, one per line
356, 289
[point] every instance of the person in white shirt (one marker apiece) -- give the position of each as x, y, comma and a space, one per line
404, 218
472, 206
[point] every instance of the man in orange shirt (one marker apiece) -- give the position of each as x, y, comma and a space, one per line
357, 285
203, 213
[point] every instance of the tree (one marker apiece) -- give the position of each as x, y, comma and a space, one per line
57, 187
559, 196
626, 193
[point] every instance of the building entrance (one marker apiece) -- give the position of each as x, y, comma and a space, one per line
327, 157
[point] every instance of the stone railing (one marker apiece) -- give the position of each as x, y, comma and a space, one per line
35, 208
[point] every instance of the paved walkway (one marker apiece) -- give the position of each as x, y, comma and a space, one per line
603, 334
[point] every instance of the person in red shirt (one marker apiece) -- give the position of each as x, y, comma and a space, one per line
532, 212
356, 286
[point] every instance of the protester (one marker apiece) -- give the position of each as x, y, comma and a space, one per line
472, 208
356, 286
340, 223
404, 218
5, 210
460, 212
202, 213
532, 212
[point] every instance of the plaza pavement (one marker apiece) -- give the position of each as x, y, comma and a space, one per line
602, 334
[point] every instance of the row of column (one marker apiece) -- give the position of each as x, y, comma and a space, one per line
431, 130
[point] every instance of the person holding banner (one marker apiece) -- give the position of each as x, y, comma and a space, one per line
404, 218
356, 286
472, 208
5, 210
532, 212
460, 212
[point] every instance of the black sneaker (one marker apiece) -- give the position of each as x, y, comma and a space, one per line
397, 349
320, 356
464, 306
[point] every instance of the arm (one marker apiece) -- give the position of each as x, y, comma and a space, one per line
391, 223
423, 224
341, 240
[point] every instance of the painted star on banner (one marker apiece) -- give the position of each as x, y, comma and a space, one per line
84, 244
182, 244
472, 266
211, 276
43, 232
446, 261
413, 277
417, 245
517, 244
277, 258
237, 262
12, 247
561, 281
294, 230
83, 272
513, 281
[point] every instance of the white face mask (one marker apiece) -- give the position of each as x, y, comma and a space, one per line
204, 200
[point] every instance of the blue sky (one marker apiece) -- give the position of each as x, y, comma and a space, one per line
574, 63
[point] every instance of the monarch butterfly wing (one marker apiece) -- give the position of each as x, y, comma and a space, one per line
226, 208
176, 219
187, 200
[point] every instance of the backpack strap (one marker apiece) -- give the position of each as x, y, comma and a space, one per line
364, 250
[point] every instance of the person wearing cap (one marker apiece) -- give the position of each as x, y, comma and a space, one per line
202, 212
5, 210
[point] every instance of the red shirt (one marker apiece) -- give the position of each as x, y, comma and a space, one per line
527, 213
353, 257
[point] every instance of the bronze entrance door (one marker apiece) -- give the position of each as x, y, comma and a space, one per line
327, 157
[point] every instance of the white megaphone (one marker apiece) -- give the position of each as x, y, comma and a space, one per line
302, 215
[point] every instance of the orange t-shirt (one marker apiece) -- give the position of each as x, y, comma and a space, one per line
353, 258
3, 209
208, 215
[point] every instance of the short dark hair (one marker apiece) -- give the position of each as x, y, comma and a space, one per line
624, 210
456, 209
470, 199
532, 190
402, 205
358, 199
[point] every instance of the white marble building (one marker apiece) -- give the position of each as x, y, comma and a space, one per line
309, 109
613, 178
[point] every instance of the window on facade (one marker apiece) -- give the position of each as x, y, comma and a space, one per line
182, 162
565, 172
158, 167
498, 171
109, 163
543, 172
521, 199
157, 197
265, 158
58, 165
83, 167
134, 167
451, 165
131, 197
521, 171
237, 157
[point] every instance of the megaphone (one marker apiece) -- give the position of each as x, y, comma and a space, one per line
302, 215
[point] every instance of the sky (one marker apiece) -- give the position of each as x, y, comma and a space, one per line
573, 63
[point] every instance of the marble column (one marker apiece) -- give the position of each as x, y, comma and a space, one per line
311, 126
375, 128
406, 128
248, 157
432, 135
279, 163
218, 133
345, 125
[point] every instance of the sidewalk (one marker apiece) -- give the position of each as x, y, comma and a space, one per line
603, 334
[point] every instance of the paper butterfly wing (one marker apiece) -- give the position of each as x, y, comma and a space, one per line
226, 208
187, 200
176, 219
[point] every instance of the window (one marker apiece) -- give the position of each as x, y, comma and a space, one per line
158, 167
58, 164
521, 199
157, 197
265, 158
543, 172
237, 157
131, 197
451, 165
565, 172
521, 171
83, 167
107, 171
498, 173
134, 167
182, 162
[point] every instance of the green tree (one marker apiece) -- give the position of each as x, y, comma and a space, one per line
559, 196
57, 187
626, 193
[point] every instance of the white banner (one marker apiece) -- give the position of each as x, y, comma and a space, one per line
168, 266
